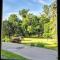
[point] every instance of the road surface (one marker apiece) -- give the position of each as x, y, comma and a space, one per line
32, 53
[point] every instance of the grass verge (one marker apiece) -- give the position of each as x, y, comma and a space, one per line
39, 42
42, 45
12, 56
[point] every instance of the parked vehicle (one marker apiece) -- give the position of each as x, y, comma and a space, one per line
17, 39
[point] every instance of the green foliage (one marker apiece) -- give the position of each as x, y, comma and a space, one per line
50, 29
29, 28
46, 9
23, 12
32, 44
6, 39
32, 25
5, 28
13, 19
40, 44
44, 19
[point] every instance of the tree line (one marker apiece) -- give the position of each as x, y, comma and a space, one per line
30, 25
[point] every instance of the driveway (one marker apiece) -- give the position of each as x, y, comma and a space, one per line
33, 53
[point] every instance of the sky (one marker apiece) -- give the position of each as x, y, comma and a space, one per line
13, 6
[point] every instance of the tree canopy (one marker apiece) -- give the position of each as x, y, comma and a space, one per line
31, 25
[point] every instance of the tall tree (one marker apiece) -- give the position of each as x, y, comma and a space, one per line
4, 28
46, 9
53, 10
23, 12
51, 31
13, 24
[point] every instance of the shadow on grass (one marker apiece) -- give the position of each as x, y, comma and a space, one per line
42, 45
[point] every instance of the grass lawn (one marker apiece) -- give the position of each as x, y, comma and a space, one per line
12, 56
39, 42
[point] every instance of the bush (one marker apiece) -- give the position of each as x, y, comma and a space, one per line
6, 39
37, 44
51, 47
32, 44
40, 44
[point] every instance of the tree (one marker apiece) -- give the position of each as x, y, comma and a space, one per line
14, 24
5, 29
34, 26
46, 9
43, 25
53, 10
51, 31
23, 12
43, 20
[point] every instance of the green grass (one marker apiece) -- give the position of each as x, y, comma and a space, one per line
39, 42
12, 56
42, 45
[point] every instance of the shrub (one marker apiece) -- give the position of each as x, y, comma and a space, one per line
40, 45
6, 39
51, 47
32, 44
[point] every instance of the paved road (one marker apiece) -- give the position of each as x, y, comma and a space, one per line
33, 53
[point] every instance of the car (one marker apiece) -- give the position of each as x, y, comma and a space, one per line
17, 39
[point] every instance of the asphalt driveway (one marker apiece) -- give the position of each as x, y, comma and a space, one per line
33, 53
